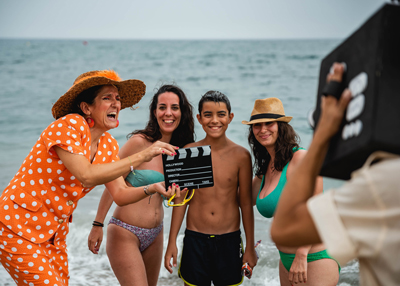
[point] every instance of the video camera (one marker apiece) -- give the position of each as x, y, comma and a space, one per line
372, 119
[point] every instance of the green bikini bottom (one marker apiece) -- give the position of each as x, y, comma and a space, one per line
287, 258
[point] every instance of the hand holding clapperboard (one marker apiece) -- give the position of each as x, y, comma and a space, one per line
191, 168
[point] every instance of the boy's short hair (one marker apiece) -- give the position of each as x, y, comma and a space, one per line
214, 96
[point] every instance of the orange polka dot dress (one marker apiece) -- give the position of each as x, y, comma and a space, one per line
37, 205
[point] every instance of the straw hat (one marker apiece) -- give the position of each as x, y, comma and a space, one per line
267, 110
130, 91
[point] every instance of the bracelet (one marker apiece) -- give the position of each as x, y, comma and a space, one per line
131, 164
96, 223
145, 189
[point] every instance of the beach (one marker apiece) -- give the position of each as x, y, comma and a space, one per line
35, 73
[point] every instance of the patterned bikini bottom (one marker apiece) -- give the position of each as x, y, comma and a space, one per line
146, 235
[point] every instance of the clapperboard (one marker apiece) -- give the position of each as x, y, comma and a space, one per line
189, 168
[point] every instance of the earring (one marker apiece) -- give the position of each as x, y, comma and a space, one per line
90, 122
117, 123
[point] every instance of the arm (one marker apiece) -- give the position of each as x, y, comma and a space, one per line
119, 192
91, 175
123, 194
246, 206
178, 213
96, 234
298, 270
132, 146
293, 225
297, 158
255, 189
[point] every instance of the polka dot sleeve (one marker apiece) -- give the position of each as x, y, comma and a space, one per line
107, 150
70, 133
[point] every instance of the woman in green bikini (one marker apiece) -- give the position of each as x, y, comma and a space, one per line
135, 232
276, 151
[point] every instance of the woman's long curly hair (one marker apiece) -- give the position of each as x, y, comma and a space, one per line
184, 133
286, 141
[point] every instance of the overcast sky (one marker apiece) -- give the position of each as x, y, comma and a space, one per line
183, 19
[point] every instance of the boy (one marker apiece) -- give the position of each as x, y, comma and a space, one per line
212, 245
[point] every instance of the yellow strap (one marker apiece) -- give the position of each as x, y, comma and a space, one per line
180, 204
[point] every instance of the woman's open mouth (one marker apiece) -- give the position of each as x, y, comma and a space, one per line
112, 115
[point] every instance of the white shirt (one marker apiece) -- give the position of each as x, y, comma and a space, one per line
361, 220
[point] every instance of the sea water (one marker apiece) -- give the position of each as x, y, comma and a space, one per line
35, 73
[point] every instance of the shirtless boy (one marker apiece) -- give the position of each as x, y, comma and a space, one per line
212, 245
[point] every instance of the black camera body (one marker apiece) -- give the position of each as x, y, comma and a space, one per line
372, 119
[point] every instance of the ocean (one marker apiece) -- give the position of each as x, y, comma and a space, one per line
35, 73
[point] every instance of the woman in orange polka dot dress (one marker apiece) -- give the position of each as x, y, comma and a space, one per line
72, 155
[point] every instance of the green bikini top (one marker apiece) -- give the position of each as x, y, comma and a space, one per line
139, 178
267, 205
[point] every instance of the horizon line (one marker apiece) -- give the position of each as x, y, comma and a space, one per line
168, 39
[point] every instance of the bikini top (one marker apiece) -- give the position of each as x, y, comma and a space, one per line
139, 178
267, 205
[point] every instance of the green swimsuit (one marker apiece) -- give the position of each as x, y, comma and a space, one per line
139, 178
144, 177
267, 206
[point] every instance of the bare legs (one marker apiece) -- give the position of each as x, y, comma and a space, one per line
152, 257
130, 266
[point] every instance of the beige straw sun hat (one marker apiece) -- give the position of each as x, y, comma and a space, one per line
267, 110
130, 91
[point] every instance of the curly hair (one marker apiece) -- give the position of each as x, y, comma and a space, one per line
184, 133
286, 141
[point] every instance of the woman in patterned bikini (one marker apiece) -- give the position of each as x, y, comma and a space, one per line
135, 232
72, 155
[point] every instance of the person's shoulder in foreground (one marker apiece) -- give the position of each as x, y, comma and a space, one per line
360, 220
364, 220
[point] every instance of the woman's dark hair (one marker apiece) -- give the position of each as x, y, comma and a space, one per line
184, 133
87, 96
286, 141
